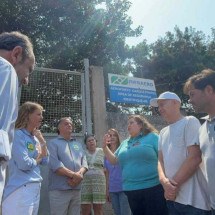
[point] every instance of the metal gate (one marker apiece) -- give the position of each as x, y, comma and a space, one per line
61, 93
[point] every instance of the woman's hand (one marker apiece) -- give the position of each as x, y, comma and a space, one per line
106, 140
39, 157
41, 147
37, 133
108, 199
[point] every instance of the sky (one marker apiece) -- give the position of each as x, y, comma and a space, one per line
159, 16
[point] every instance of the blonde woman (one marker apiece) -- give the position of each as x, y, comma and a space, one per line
22, 192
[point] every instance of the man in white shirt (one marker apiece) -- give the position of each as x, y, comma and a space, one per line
16, 63
201, 90
179, 158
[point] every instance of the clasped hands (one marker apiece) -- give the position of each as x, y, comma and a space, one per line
76, 179
171, 189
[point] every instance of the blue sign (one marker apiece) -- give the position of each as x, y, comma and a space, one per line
131, 90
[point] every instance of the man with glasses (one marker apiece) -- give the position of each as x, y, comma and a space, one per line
16, 63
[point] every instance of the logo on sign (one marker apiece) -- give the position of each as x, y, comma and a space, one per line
119, 80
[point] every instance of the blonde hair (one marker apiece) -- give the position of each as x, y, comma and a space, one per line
24, 111
146, 126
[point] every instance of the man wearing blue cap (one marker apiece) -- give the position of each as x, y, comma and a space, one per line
179, 159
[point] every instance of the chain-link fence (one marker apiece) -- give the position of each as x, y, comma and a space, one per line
60, 93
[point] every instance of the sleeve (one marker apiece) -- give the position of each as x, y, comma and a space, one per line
84, 160
102, 155
4, 145
45, 160
116, 153
20, 153
54, 162
105, 163
160, 140
155, 142
192, 131
8, 98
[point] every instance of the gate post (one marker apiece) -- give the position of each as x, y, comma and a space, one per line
98, 103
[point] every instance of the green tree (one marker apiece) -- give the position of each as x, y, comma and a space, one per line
174, 58
66, 31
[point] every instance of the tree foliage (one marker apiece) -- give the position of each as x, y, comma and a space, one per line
171, 60
66, 31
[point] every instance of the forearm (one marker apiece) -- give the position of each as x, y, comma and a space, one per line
187, 169
83, 170
109, 155
162, 177
170, 190
44, 150
63, 171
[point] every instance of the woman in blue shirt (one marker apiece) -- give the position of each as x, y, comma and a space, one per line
22, 192
138, 158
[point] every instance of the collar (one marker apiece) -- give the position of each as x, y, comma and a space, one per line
208, 118
25, 131
71, 138
140, 135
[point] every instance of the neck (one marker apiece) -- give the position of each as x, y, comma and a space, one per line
211, 108
66, 136
30, 128
91, 151
6, 55
113, 149
175, 118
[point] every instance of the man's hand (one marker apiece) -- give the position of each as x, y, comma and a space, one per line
76, 179
170, 189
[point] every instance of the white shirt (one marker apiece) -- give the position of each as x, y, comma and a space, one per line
173, 142
8, 106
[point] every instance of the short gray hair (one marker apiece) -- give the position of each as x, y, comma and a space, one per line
9, 40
